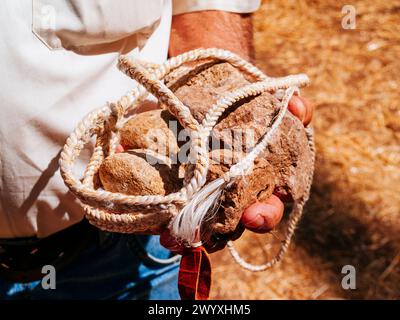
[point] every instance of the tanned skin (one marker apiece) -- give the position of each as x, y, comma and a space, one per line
218, 29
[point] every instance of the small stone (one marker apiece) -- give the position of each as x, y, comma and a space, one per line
132, 174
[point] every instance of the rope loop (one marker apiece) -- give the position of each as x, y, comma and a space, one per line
186, 209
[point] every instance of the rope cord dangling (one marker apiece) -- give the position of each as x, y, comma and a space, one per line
293, 221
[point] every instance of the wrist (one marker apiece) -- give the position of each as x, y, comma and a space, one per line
212, 29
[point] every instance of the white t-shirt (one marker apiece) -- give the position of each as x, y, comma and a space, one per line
57, 63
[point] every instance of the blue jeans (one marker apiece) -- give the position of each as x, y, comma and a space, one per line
119, 267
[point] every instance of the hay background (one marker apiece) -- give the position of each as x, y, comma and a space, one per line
353, 214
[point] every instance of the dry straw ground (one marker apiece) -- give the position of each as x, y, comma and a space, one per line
353, 214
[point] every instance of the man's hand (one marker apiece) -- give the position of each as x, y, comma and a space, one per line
264, 216
230, 31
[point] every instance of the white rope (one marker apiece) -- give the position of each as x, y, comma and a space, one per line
184, 225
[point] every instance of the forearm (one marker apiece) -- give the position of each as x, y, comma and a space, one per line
212, 29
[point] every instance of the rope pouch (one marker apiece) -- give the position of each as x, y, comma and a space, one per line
183, 211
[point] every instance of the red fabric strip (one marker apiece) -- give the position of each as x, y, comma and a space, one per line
194, 280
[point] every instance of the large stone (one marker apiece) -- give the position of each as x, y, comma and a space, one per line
285, 165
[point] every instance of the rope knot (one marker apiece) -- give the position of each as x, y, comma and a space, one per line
117, 112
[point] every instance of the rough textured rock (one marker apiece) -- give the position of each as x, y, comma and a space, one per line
150, 130
203, 83
131, 173
284, 167
246, 124
257, 185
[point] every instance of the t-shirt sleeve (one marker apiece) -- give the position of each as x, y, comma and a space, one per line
237, 6
75, 23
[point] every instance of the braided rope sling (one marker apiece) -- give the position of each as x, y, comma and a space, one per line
117, 212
